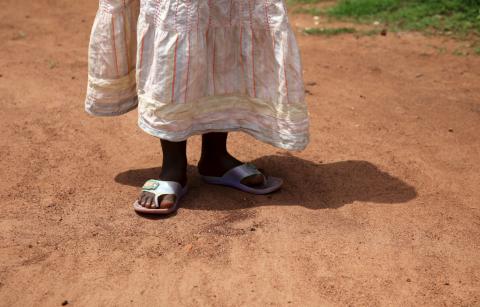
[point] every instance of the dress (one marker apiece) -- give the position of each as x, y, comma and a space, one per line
198, 66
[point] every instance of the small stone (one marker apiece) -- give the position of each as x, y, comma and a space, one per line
409, 280
73, 78
447, 284
64, 303
30, 245
450, 130
252, 229
52, 64
20, 35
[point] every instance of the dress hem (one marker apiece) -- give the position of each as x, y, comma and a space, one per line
95, 110
184, 135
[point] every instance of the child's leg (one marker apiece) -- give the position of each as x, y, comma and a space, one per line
216, 161
174, 168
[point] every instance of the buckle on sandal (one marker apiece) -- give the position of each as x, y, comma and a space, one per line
150, 185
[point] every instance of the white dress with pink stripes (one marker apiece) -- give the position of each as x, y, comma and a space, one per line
198, 66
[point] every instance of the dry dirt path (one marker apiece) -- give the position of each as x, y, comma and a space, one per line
383, 208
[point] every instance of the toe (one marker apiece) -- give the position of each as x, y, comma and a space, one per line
253, 180
141, 199
153, 204
150, 202
146, 199
146, 202
167, 201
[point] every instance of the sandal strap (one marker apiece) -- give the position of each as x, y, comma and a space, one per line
161, 187
241, 172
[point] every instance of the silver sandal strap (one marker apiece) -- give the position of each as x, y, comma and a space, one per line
242, 171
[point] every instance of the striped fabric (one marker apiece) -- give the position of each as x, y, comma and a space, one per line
197, 66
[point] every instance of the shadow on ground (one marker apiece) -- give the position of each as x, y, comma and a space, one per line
308, 184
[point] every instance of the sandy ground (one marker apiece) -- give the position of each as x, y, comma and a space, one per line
383, 208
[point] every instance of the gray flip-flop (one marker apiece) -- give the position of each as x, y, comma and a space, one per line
233, 179
159, 188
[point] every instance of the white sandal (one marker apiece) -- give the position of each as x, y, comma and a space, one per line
233, 178
159, 188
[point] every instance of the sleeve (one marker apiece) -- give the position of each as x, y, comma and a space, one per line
111, 88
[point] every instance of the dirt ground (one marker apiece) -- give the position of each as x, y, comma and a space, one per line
383, 208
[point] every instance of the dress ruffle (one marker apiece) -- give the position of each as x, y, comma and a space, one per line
199, 66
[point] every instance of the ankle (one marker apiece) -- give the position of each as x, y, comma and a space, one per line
216, 164
213, 154
178, 175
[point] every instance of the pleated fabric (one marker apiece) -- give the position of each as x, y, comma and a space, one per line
198, 66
